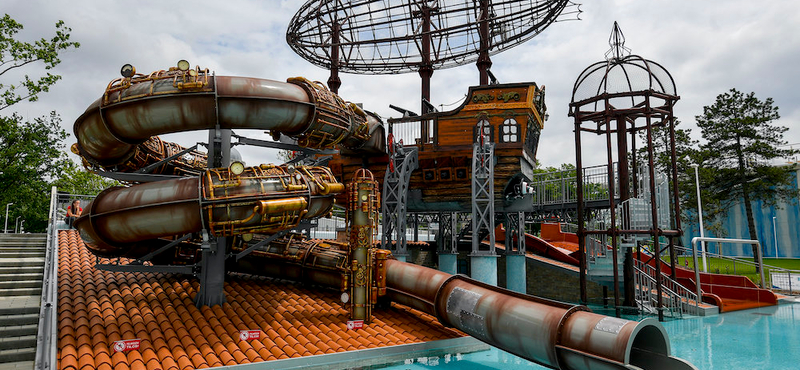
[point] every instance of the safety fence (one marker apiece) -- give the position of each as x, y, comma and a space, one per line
47, 337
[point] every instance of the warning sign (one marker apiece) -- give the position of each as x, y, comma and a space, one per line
249, 334
126, 345
355, 324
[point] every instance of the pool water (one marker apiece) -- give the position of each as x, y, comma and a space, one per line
761, 338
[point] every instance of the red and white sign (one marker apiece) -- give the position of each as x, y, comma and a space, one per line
126, 345
249, 334
355, 324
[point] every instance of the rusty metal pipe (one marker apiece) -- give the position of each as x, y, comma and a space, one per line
298, 259
111, 129
550, 333
256, 201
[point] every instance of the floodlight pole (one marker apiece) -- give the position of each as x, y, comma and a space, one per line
700, 217
5, 228
775, 232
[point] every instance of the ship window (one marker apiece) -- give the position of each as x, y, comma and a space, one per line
509, 131
484, 126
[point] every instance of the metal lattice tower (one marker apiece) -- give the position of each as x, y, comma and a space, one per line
395, 197
483, 189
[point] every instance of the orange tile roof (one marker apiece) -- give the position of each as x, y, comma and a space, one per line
96, 308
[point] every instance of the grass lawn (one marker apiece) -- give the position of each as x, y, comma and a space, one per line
734, 267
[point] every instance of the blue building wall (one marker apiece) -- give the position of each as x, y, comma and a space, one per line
787, 224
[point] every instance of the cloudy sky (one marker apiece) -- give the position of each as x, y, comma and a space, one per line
708, 47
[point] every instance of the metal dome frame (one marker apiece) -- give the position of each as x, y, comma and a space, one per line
646, 91
387, 36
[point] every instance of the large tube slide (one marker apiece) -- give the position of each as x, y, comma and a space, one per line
550, 333
119, 132
264, 199
133, 110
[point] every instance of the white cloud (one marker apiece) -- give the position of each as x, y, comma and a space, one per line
709, 47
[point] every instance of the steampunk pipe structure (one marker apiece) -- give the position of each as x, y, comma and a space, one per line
119, 132
133, 109
121, 221
362, 217
550, 333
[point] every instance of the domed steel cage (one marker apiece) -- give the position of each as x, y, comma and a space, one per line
626, 83
386, 36
622, 96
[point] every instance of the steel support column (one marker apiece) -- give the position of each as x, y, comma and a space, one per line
212, 264
483, 259
447, 248
395, 197
516, 276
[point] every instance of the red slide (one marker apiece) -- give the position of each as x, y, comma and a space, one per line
561, 248
728, 292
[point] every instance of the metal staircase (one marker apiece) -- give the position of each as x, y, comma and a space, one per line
22, 259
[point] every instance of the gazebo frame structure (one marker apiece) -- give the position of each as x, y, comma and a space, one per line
629, 89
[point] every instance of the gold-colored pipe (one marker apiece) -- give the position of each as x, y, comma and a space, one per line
281, 205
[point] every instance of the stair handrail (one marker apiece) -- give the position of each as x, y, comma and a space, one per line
646, 285
46, 337
685, 294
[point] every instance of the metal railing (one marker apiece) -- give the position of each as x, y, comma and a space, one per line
47, 337
686, 296
561, 187
745, 266
697, 239
411, 132
646, 295
787, 280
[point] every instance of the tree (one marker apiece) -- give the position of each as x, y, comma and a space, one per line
16, 54
77, 180
31, 156
31, 153
687, 152
741, 141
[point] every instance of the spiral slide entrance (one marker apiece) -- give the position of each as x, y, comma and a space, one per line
266, 199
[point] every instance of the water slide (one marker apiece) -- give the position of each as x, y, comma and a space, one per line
728, 292
553, 244
129, 221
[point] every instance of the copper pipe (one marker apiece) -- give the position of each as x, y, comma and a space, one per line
550, 333
255, 201
362, 211
296, 258
131, 112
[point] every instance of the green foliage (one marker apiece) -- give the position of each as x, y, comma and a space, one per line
31, 153
741, 144
77, 180
686, 154
16, 54
31, 156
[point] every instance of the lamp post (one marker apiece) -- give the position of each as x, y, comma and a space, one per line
775, 231
16, 225
700, 216
5, 228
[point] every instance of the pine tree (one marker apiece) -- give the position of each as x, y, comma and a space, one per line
741, 145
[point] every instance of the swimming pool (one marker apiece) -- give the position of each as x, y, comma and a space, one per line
761, 338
